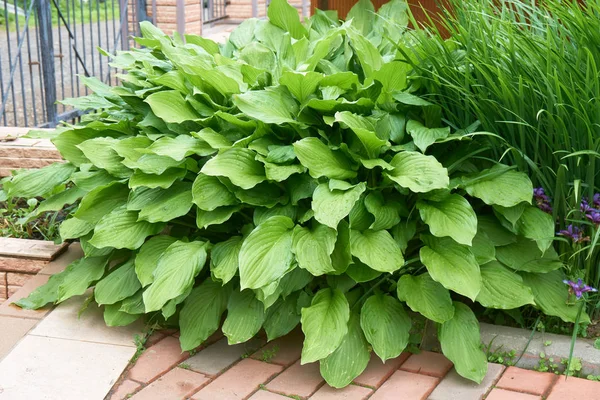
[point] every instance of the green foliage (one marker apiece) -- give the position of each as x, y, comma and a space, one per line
289, 176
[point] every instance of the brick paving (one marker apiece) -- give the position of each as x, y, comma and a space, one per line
274, 372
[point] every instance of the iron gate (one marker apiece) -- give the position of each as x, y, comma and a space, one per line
46, 44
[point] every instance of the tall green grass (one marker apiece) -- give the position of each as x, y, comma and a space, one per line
530, 74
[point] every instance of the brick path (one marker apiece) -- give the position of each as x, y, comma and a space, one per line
256, 371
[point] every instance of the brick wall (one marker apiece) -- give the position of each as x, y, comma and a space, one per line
17, 152
166, 16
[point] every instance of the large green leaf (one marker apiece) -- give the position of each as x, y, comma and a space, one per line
148, 256
502, 288
350, 359
451, 216
386, 325
245, 316
537, 225
122, 230
201, 313
79, 275
325, 324
237, 164
286, 17
322, 161
266, 253
179, 147
121, 283
426, 296
386, 213
499, 235
215, 217
209, 193
525, 255
271, 106
101, 153
175, 273
552, 296
313, 248
224, 258
418, 172
483, 248
168, 204
377, 249
424, 136
59, 200
171, 107
331, 206
499, 185
301, 85
101, 201
38, 182
461, 343
113, 316
282, 317
451, 264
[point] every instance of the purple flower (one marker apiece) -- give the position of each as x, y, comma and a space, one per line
585, 206
593, 216
579, 288
574, 233
596, 200
542, 200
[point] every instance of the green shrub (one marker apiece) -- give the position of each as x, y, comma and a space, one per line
289, 176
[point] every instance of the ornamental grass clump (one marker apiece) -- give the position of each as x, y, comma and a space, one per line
290, 177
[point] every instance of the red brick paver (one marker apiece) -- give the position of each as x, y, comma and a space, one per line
351, 392
125, 388
501, 394
239, 382
377, 372
264, 395
574, 388
176, 384
522, 380
428, 363
297, 380
406, 386
157, 360
283, 351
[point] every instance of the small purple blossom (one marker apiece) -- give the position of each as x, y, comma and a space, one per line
593, 216
596, 200
579, 288
585, 206
542, 200
574, 233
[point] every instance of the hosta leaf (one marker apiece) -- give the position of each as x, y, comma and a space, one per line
283, 15
237, 164
280, 173
341, 256
377, 249
537, 225
271, 106
349, 360
201, 313
37, 182
511, 214
424, 136
113, 316
526, 256
122, 230
461, 343
214, 139
100, 152
369, 57
59, 200
79, 275
313, 248
179, 147
224, 258
325, 324
404, 232
499, 185
331, 206
499, 235
74, 228
266, 253
282, 317
133, 304
175, 272
361, 272
483, 248
121, 283
502, 288
90, 180
300, 187
426, 296
171, 107
209, 193
245, 316
452, 216
451, 264
386, 325
418, 172
362, 15
385, 213
364, 130
322, 161
148, 256
101, 201
164, 180
215, 217
301, 85
552, 296
168, 204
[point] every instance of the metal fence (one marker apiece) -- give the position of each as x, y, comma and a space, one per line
213, 10
46, 44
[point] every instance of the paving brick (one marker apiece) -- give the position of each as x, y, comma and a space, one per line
156, 337
377, 372
11, 331
574, 388
219, 356
265, 395
351, 392
283, 351
523, 380
238, 382
9, 309
297, 380
428, 363
175, 384
501, 394
406, 386
156, 360
125, 388
455, 387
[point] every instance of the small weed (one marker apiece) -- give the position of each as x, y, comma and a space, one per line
267, 355
547, 343
500, 357
184, 366
597, 344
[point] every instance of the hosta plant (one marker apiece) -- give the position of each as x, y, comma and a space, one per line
290, 177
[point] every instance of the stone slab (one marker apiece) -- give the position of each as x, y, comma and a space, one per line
220, 356
63, 323
455, 387
33, 249
9, 309
58, 369
73, 253
12, 330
